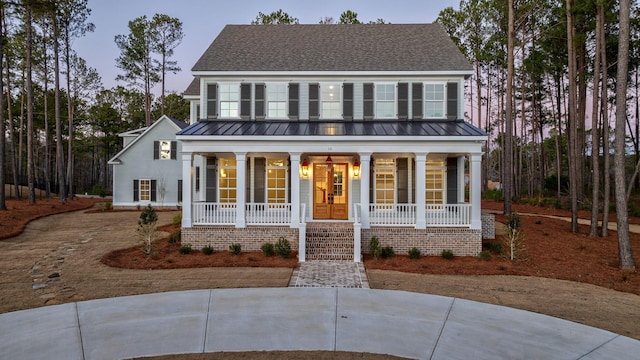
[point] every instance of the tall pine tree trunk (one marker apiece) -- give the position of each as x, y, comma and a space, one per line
3, 138
625, 255
573, 129
69, 114
29, 90
604, 112
595, 136
62, 184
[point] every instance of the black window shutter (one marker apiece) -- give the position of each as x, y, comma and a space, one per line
416, 100
179, 190
153, 190
347, 101
259, 101
174, 150
403, 100
197, 178
368, 101
245, 101
294, 101
156, 150
211, 180
403, 180
136, 193
314, 101
452, 181
259, 174
212, 101
452, 100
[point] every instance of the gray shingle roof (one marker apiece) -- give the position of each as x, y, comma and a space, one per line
352, 128
194, 87
339, 47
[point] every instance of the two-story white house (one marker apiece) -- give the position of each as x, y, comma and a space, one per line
328, 135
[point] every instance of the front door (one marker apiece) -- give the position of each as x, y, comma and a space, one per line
330, 191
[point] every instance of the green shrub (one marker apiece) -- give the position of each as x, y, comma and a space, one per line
105, 206
387, 252
495, 247
414, 253
207, 250
495, 195
185, 249
268, 249
485, 255
175, 237
147, 228
447, 254
283, 248
374, 247
177, 219
99, 190
235, 249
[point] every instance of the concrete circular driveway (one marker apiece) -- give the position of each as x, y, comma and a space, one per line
328, 319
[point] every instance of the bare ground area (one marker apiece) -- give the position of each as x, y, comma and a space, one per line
57, 259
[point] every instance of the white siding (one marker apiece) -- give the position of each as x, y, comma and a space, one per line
304, 101
358, 98
305, 195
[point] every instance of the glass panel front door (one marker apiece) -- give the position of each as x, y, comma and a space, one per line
330, 191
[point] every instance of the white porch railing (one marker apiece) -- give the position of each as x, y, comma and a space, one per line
267, 214
440, 215
207, 213
392, 214
448, 214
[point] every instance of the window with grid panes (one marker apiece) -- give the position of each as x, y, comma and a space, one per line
434, 182
277, 101
227, 180
145, 190
229, 95
385, 184
277, 181
434, 101
385, 101
331, 98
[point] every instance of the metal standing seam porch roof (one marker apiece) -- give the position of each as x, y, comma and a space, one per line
425, 128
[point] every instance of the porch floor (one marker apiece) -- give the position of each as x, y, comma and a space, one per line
342, 274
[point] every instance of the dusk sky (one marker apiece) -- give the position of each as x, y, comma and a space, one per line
203, 19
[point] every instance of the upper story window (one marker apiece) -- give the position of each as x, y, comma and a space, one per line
165, 150
331, 98
385, 100
434, 101
229, 98
277, 101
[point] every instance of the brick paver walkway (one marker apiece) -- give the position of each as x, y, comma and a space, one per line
344, 274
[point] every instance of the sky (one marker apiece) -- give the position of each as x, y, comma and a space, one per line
202, 21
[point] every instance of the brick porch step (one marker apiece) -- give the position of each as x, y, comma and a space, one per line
329, 241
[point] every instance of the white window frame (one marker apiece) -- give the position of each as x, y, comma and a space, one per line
377, 101
436, 165
337, 100
426, 101
269, 99
223, 172
164, 154
146, 191
286, 181
230, 115
379, 167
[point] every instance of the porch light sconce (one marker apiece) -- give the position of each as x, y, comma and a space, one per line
356, 168
329, 160
305, 168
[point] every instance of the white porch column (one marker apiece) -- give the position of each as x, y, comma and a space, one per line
475, 189
295, 189
460, 179
365, 184
241, 196
186, 190
421, 168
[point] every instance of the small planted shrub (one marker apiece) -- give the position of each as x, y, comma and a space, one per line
105, 206
235, 249
177, 219
495, 247
207, 250
447, 254
414, 253
387, 252
175, 237
513, 221
485, 255
185, 249
268, 249
374, 247
283, 248
147, 228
